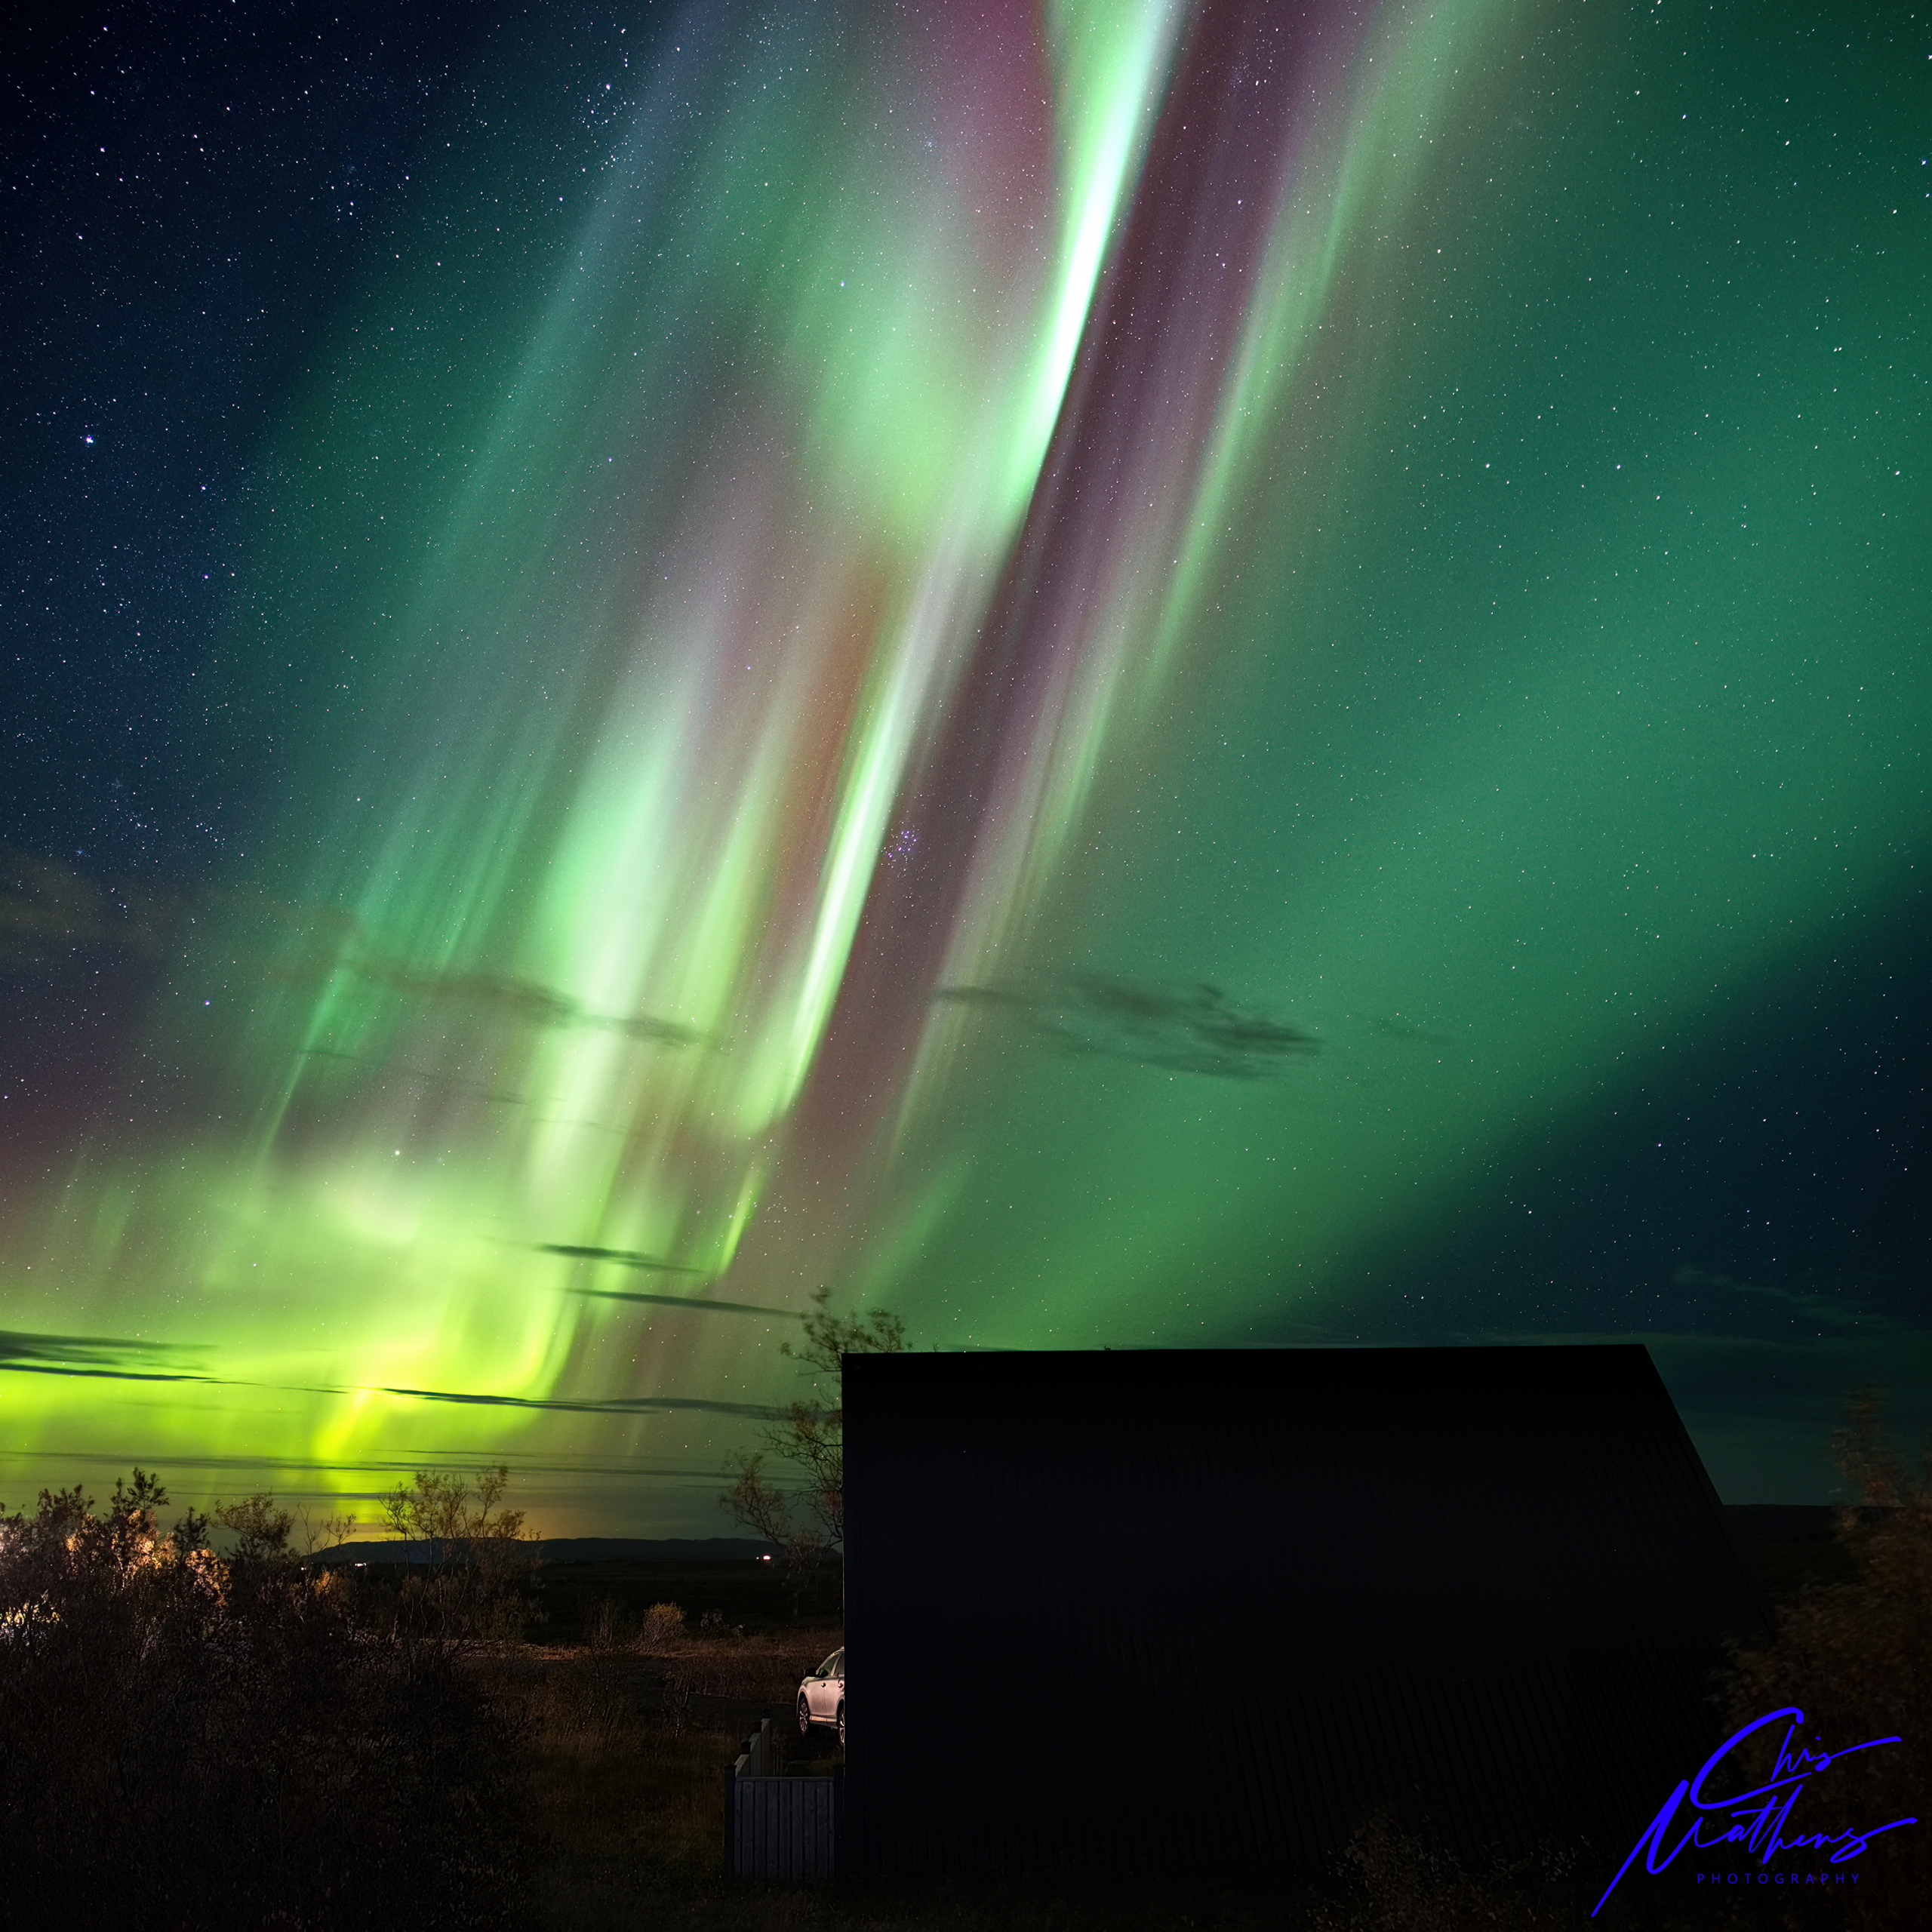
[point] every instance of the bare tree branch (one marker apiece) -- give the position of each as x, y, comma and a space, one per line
808, 1520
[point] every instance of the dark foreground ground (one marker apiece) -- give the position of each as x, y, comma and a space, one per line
629, 1748
189, 1742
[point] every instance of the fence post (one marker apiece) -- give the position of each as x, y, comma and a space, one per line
731, 1820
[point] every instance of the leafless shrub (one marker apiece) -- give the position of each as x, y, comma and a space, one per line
607, 1628
680, 1693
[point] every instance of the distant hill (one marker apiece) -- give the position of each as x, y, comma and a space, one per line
1751, 1520
579, 1550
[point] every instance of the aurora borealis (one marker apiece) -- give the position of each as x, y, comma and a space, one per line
1111, 674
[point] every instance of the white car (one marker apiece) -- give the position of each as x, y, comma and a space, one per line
821, 1697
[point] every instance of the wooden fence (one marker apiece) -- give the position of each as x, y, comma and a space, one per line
779, 1827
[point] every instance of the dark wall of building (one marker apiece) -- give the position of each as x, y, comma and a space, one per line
1169, 1610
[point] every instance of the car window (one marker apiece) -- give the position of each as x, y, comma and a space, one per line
837, 1664
830, 1666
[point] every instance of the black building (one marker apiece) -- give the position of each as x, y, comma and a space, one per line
1160, 1611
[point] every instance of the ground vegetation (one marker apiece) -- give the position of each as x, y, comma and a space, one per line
191, 1739
1851, 1658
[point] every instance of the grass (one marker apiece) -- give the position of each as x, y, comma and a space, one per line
627, 1752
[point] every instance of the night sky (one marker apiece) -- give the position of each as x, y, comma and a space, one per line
1112, 674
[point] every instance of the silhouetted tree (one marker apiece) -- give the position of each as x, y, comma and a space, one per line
808, 1520
477, 1564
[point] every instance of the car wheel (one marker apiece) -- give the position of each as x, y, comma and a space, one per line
842, 1726
804, 1716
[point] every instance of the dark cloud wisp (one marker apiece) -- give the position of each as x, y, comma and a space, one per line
1190, 1029
690, 1301
112, 1357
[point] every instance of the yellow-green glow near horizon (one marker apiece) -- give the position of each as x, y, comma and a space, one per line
949, 523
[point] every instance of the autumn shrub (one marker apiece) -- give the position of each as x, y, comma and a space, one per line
1854, 1659
663, 1624
191, 1741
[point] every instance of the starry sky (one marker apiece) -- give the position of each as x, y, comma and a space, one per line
1236, 674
